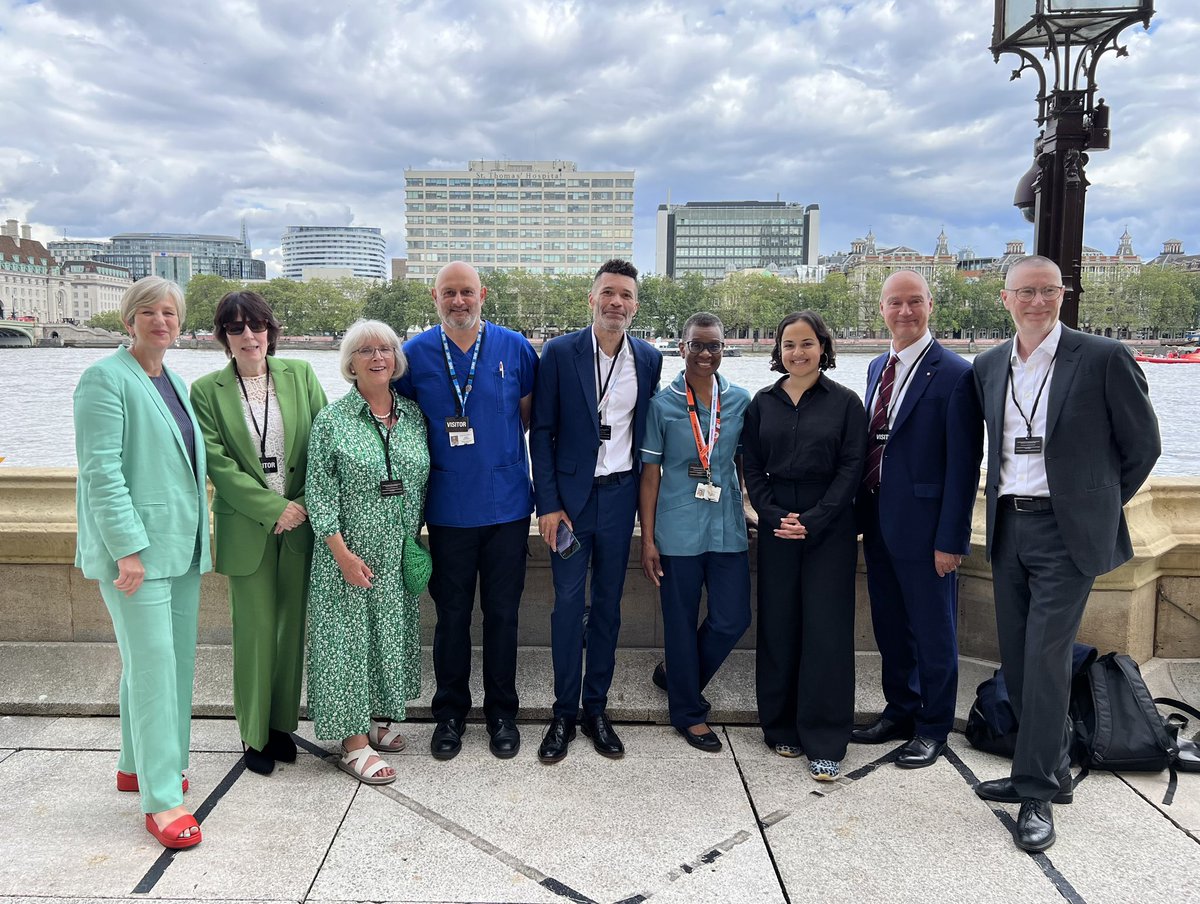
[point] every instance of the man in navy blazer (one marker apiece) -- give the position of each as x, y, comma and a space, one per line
1071, 437
589, 412
924, 448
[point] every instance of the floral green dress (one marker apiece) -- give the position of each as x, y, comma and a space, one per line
364, 646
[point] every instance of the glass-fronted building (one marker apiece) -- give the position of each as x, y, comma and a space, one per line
177, 256
545, 216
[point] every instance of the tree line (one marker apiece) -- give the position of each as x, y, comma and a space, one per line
1151, 303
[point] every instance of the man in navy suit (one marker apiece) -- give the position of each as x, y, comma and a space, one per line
589, 413
924, 447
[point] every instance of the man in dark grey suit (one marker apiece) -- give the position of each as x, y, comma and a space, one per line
1071, 438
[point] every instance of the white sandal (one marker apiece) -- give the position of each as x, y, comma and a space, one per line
385, 738
354, 762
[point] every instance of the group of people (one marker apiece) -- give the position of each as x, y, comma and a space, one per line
319, 511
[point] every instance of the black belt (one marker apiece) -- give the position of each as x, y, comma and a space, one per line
1026, 504
607, 479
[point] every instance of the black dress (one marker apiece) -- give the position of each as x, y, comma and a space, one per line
806, 458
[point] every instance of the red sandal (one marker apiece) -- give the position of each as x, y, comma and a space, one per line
128, 781
169, 837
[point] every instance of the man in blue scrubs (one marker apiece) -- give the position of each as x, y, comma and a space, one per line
474, 382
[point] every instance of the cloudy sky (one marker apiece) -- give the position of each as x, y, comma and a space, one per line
144, 115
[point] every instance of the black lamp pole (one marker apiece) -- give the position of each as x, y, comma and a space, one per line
1071, 35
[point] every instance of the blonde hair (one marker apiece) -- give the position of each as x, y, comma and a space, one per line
148, 291
362, 331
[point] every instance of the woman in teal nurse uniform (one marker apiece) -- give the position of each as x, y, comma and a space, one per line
143, 534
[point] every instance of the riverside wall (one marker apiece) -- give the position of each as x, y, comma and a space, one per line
1149, 607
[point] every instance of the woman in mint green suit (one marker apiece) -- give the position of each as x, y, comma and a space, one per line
143, 534
256, 414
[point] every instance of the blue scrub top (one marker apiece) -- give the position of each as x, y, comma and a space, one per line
486, 482
683, 524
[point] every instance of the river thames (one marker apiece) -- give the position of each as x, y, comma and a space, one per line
36, 385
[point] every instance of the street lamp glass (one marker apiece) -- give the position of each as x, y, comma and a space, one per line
1084, 20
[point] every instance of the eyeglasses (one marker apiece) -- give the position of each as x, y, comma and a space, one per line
1028, 293
237, 327
713, 348
370, 351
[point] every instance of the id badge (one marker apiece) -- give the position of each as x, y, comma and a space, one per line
465, 438
605, 432
391, 487
1028, 445
881, 437
270, 464
698, 471
708, 492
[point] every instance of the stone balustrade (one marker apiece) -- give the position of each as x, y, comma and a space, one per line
1148, 607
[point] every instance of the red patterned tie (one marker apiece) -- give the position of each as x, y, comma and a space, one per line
879, 424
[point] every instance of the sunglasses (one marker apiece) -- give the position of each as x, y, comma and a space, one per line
237, 327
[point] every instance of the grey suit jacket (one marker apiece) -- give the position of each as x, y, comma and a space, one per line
1102, 441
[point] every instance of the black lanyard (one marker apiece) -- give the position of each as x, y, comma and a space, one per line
907, 376
1012, 390
262, 434
385, 438
602, 388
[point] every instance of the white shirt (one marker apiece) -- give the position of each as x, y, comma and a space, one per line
252, 410
616, 407
1025, 475
905, 361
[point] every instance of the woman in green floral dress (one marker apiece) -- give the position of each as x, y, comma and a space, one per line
364, 630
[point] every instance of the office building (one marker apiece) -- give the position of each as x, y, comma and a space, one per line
33, 284
544, 216
175, 256
713, 238
96, 287
310, 251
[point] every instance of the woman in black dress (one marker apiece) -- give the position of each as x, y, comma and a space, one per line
804, 445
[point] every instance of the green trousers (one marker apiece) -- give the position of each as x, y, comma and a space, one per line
268, 609
156, 634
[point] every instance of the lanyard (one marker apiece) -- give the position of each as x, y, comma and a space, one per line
385, 438
262, 434
1012, 389
462, 394
899, 391
714, 424
602, 388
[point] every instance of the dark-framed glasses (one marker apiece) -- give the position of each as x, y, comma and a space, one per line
370, 351
696, 347
1029, 293
237, 327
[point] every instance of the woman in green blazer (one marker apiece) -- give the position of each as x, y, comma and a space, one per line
256, 414
143, 534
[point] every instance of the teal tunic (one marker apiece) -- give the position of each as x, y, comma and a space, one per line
364, 646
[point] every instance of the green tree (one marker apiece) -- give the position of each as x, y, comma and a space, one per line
202, 295
404, 304
108, 320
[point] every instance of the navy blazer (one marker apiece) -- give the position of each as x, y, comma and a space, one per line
564, 437
931, 462
1102, 441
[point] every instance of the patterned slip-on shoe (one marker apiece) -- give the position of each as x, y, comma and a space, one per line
823, 770
788, 750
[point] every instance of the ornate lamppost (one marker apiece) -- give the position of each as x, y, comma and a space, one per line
1070, 36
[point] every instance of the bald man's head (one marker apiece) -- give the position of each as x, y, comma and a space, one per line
459, 296
906, 305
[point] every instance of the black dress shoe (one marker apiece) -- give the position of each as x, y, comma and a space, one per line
660, 675
604, 738
881, 731
1035, 825
447, 739
708, 742
1002, 791
559, 735
920, 752
281, 746
257, 760
506, 739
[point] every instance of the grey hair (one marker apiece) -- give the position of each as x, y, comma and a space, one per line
150, 290
362, 331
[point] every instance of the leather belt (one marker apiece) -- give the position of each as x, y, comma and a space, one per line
1026, 504
607, 479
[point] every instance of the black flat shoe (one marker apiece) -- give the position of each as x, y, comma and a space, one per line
659, 677
1002, 791
281, 746
1035, 825
559, 735
505, 739
446, 741
708, 742
257, 760
920, 752
604, 737
881, 731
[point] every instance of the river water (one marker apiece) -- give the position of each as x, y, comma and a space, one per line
36, 385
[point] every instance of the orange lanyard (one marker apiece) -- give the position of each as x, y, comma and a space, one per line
714, 425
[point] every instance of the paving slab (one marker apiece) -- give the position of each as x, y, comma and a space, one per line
19, 731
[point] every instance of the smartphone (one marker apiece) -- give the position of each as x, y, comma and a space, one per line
566, 544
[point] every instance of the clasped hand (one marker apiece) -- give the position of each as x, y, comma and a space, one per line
790, 527
293, 516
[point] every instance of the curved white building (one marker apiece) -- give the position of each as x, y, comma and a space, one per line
361, 250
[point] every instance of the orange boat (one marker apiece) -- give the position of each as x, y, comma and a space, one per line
1188, 357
